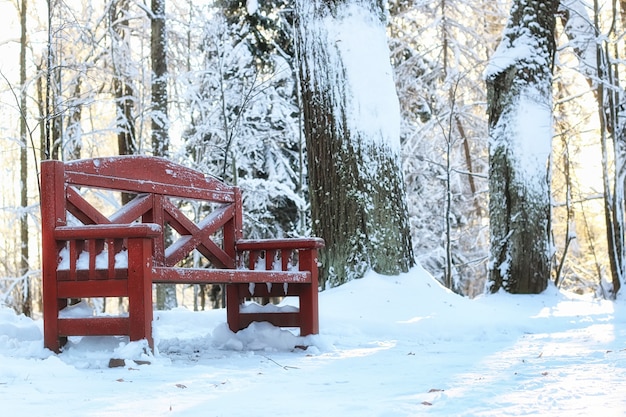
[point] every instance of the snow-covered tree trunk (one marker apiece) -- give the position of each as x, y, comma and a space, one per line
519, 89
351, 118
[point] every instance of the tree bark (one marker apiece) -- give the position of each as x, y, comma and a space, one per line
160, 121
122, 84
356, 186
166, 293
122, 81
518, 173
25, 293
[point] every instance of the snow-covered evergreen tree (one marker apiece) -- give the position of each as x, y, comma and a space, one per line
244, 126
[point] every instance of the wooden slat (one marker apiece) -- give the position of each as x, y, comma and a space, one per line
227, 276
276, 244
93, 288
144, 169
153, 187
82, 209
94, 326
184, 245
98, 274
277, 319
275, 289
210, 224
74, 254
108, 231
134, 209
198, 236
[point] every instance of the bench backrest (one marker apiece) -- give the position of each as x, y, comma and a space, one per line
194, 211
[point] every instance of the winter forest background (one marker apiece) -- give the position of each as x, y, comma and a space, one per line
223, 86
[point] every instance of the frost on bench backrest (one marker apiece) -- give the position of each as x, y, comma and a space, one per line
195, 212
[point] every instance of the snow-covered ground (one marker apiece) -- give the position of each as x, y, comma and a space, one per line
389, 346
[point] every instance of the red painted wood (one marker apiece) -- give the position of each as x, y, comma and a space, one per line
156, 215
106, 231
140, 289
112, 249
152, 188
139, 227
92, 288
143, 174
52, 182
308, 299
81, 209
147, 170
76, 247
277, 319
273, 244
134, 209
98, 274
226, 276
261, 290
198, 236
234, 299
96, 326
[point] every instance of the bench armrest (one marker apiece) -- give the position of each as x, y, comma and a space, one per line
108, 231
281, 254
278, 244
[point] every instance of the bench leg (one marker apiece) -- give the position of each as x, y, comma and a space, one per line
309, 308
309, 317
51, 307
51, 338
234, 300
140, 290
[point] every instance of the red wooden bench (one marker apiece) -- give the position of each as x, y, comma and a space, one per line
179, 226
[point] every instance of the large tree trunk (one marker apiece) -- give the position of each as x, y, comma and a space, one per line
519, 82
351, 123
